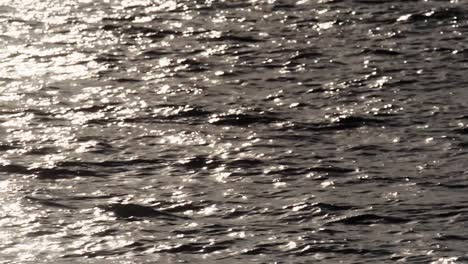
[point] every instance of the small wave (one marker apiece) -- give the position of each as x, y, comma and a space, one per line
305, 211
49, 202
436, 15
127, 80
368, 219
134, 211
184, 206
245, 163
46, 173
231, 37
320, 207
242, 119
446, 237
200, 248
153, 54
339, 249
331, 169
111, 163
381, 52
198, 162
4, 147
106, 58
462, 131
345, 123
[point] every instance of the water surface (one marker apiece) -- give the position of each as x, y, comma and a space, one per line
233, 131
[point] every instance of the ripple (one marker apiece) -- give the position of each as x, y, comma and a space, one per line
133, 211
241, 119
214, 131
367, 219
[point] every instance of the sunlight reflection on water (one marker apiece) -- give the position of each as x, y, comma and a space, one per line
232, 131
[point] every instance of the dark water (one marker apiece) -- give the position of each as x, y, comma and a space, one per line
233, 131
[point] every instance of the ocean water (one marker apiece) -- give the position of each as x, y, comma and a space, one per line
311, 131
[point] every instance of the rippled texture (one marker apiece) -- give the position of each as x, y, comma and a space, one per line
233, 131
